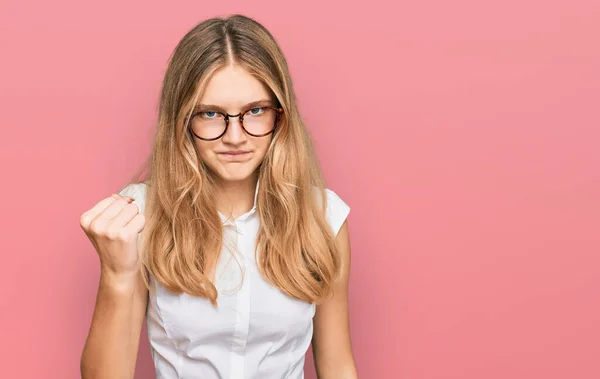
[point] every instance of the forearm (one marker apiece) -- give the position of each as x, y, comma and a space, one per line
337, 365
345, 372
107, 352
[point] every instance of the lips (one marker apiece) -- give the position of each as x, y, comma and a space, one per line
234, 152
235, 155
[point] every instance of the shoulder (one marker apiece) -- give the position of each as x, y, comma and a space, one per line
337, 210
138, 192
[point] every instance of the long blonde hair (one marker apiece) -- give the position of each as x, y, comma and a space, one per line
183, 236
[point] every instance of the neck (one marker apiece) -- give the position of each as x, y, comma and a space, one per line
234, 198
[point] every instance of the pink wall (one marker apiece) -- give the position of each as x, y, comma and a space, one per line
464, 134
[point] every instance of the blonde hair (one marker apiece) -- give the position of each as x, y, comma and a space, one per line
183, 236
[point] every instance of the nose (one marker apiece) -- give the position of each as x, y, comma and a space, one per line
234, 135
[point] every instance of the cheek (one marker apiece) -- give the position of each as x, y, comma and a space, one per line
262, 146
205, 150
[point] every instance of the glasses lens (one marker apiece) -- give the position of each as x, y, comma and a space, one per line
208, 125
260, 120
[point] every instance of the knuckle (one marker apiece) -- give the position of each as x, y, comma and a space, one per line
123, 236
112, 234
95, 228
84, 220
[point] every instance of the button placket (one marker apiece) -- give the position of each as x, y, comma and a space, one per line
242, 311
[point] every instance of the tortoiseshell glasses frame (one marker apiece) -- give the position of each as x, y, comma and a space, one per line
226, 116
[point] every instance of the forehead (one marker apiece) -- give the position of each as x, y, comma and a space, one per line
232, 87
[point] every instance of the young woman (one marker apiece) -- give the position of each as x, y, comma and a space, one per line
232, 248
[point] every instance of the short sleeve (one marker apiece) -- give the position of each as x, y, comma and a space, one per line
337, 211
138, 192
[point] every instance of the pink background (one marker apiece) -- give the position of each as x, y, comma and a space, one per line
464, 134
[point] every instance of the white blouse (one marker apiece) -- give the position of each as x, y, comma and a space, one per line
256, 331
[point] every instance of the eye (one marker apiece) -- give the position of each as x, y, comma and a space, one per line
209, 114
255, 111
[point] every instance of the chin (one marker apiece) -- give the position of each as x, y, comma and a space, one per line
231, 174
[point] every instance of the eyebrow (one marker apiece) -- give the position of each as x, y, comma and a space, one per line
212, 107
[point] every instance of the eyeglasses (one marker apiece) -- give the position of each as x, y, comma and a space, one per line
256, 121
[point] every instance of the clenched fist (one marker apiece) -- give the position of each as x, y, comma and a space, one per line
112, 226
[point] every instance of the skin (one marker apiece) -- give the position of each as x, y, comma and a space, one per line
232, 88
113, 341
111, 347
332, 348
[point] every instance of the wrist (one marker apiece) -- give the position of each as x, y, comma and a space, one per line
118, 282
